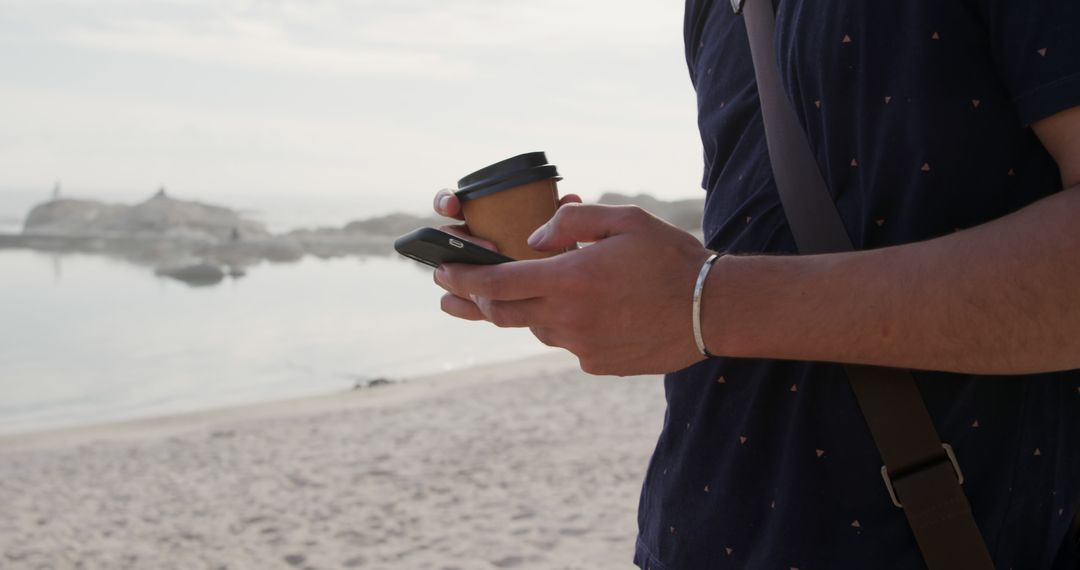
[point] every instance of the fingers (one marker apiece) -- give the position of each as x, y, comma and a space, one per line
462, 231
503, 282
546, 336
505, 314
573, 223
457, 307
447, 204
512, 314
570, 199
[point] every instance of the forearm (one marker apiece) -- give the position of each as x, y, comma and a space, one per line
997, 299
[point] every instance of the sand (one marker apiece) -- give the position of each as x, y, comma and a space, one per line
524, 465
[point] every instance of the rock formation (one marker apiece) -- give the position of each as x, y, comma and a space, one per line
159, 217
200, 244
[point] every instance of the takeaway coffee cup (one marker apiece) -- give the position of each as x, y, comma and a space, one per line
504, 203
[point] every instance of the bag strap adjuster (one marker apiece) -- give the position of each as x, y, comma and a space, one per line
889, 484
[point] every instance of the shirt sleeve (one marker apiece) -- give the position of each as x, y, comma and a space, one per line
1036, 48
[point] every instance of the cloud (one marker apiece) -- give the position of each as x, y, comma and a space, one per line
551, 26
337, 96
435, 39
263, 46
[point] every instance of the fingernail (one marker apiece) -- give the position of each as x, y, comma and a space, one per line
444, 203
440, 274
538, 236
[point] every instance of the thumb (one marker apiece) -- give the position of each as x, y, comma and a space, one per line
573, 223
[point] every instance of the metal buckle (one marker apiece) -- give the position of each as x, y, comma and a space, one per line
952, 459
737, 5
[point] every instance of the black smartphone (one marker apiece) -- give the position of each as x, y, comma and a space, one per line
434, 247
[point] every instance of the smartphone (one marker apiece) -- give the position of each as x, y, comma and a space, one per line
434, 247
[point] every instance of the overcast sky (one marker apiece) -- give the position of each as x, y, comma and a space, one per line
383, 99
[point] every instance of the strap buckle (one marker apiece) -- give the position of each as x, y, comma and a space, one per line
948, 453
737, 5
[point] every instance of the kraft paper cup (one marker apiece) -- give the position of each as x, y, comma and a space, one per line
504, 203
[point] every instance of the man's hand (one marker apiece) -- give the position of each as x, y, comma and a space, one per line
621, 305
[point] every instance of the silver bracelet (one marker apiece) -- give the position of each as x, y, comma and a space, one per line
705, 267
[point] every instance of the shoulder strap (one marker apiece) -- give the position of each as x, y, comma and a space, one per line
920, 473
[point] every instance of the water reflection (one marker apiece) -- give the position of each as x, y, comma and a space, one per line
198, 275
87, 338
58, 267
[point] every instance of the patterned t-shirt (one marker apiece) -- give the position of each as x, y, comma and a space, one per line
919, 115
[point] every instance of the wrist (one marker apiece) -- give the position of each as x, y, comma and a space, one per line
698, 297
716, 304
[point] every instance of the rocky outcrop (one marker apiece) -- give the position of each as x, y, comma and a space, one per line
160, 217
394, 224
200, 243
189, 241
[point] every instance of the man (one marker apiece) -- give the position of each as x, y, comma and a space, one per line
949, 136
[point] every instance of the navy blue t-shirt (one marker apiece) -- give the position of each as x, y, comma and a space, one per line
919, 115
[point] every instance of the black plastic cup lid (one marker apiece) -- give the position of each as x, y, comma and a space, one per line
512, 172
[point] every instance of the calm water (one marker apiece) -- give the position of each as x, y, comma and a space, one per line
86, 339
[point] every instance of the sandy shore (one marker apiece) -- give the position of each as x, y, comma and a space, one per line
530, 464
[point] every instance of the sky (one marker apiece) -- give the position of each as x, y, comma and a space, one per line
365, 107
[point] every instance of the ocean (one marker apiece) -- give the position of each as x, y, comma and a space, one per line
88, 339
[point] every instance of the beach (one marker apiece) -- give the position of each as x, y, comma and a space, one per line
526, 464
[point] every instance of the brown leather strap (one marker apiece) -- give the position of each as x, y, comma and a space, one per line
1074, 529
924, 477
925, 480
